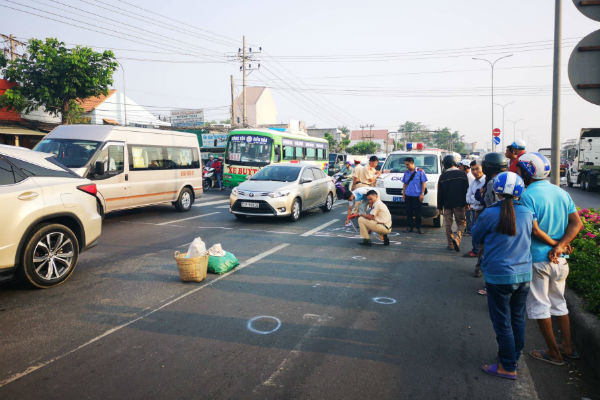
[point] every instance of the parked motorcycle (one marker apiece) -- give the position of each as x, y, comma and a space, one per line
342, 185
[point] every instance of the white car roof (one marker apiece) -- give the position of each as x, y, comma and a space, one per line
30, 156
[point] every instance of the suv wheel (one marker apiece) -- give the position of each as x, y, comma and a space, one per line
50, 256
296, 210
328, 203
185, 200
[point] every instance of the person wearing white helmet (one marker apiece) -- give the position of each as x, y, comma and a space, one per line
505, 229
557, 216
513, 151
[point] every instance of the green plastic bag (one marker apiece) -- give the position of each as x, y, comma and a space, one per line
220, 265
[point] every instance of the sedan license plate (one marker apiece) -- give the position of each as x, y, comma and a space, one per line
247, 204
397, 198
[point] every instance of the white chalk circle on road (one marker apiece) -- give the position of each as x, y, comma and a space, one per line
384, 300
259, 332
359, 258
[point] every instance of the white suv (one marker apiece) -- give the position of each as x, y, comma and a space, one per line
49, 215
390, 184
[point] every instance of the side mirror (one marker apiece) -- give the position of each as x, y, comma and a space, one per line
306, 180
99, 168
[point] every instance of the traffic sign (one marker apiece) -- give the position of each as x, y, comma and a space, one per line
496, 132
589, 8
496, 139
583, 68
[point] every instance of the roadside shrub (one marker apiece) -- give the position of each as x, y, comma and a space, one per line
584, 262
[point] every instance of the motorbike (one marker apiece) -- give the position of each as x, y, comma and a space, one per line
209, 179
342, 185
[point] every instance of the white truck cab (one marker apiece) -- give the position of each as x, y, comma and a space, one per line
390, 184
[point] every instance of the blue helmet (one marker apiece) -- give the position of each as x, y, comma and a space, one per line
509, 183
535, 165
518, 144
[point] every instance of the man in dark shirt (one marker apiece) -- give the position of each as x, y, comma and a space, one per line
452, 199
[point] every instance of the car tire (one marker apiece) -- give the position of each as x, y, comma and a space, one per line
328, 203
49, 256
438, 221
569, 183
296, 210
588, 183
185, 200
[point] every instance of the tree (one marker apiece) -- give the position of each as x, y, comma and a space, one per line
53, 76
332, 142
363, 148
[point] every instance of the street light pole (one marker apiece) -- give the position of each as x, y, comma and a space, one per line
503, 131
555, 162
124, 96
492, 64
515, 128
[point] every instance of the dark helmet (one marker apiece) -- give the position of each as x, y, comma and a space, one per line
449, 161
494, 163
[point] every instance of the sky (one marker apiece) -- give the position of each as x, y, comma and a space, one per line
333, 63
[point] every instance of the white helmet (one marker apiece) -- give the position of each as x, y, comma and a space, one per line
535, 165
466, 163
518, 144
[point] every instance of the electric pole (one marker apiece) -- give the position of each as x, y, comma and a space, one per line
245, 56
12, 45
232, 104
555, 162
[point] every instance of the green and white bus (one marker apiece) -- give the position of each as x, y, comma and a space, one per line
248, 150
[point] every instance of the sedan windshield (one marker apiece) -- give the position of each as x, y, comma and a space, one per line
428, 162
277, 173
69, 152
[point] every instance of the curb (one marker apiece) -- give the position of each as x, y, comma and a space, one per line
585, 329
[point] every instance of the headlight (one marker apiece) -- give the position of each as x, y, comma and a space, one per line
379, 183
234, 191
431, 185
281, 193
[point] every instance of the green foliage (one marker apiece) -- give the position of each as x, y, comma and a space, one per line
345, 143
52, 76
75, 114
584, 262
332, 142
440, 138
363, 148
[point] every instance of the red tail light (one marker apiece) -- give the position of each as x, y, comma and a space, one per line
91, 188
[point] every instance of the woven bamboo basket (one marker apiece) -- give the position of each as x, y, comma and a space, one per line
191, 269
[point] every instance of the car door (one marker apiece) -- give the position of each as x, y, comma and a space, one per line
112, 181
309, 188
320, 186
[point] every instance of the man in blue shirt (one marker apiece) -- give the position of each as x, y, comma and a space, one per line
414, 180
557, 216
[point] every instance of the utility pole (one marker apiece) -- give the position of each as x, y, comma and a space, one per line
503, 106
232, 104
555, 162
245, 56
12, 45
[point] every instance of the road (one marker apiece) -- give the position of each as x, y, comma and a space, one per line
584, 199
124, 326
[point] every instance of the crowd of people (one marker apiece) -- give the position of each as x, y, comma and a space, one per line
520, 226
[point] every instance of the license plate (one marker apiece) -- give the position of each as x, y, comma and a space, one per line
397, 198
247, 204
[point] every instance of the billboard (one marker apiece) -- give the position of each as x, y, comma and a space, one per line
187, 118
214, 139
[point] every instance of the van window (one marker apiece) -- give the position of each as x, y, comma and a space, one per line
428, 162
113, 158
180, 157
146, 157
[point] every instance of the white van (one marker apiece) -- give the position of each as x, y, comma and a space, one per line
390, 184
132, 167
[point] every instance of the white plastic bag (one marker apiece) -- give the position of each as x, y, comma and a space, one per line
216, 250
197, 249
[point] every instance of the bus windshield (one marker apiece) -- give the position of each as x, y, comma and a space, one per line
428, 162
69, 152
249, 150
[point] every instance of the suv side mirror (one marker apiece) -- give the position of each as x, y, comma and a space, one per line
99, 168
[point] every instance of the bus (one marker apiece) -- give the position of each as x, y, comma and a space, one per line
248, 150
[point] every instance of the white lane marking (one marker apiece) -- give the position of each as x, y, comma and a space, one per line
187, 219
320, 227
259, 332
211, 203
222, 207
150, 223
384, 300
359, 258
243, 265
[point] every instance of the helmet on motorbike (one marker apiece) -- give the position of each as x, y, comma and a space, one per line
449, 161
509, 183
518, 144
466, 163
493, 163
535, 165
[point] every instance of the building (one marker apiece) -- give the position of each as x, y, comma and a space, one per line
379, 136
338, 136
260, 107
117, 109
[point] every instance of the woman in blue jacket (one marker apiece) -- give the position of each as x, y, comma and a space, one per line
505, 230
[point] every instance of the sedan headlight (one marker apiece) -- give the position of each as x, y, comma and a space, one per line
281, 193
234, 191
379, 183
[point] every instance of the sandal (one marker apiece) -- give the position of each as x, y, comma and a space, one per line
482, 292
493, 370
543, 356
573, 356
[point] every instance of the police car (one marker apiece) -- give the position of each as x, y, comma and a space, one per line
390, 183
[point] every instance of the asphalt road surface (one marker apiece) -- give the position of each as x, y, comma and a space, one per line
309, 314
584, 199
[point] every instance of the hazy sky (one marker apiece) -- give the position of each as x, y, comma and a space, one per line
336, 62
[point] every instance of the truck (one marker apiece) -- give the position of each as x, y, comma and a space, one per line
584, 169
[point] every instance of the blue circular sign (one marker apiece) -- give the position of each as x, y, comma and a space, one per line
496, 139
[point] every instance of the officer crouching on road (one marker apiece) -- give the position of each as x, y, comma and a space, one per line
377, 219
